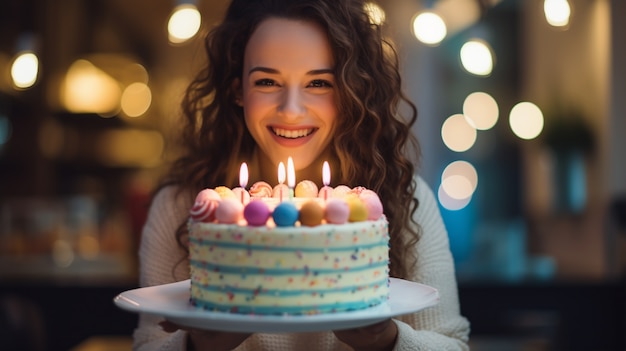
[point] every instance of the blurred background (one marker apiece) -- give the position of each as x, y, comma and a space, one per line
522, 125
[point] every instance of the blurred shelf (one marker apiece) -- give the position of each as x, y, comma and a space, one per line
104, 269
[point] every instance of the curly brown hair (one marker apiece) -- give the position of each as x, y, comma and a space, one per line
372, 139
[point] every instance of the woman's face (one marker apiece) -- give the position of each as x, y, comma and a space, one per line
288, 91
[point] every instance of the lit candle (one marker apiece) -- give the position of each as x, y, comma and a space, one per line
281, 179
291, 177
243, 179
326, 179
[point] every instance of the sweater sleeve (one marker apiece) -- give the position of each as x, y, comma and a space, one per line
440, 327
161, 261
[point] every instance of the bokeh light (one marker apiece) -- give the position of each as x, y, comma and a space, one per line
557, 12
481, 110
526, 120
88, 89
184, 23
375, 12
457, 134
24, 70
429, 28
477, 57
462, 169
136, 99
450, 203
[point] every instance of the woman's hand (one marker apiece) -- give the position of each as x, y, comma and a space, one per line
207, 339
380, 336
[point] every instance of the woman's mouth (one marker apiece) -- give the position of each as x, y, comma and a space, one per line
292, 133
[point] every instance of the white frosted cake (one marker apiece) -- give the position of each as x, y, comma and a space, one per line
257, 254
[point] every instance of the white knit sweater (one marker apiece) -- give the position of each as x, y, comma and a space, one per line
436, 328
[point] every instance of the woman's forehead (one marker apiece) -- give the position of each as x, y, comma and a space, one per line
289, 44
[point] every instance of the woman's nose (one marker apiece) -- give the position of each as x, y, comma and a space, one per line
292, 103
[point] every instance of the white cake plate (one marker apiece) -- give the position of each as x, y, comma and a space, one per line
171, 301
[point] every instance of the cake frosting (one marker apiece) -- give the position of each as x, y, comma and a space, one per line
301, 255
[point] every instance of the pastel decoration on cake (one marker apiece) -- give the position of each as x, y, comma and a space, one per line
225, 192
256, 213
288, 256
341, 191
280, 192
306, 189
229, 211
260, 189
372, 203
203, 209
311, 214
242, 195
285, 214
358, 211
337, 211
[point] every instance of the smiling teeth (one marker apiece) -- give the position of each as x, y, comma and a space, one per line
292, 134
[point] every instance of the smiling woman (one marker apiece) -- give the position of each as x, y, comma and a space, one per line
288, 94
305, 82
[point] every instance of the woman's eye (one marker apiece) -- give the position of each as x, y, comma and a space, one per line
265, 82
320, 83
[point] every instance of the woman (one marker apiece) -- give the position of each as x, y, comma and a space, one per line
314, 80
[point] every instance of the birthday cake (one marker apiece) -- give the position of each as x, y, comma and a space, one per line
276, 251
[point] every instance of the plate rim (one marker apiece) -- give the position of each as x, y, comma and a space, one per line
133, 300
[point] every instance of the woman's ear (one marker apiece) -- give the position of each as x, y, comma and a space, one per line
238, 92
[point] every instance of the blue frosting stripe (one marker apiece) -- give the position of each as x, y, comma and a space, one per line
284, 293
269, 248
249, 270
291, 310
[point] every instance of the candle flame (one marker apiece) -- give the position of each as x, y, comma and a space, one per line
291, 173
243, 175
326, 173
281, 172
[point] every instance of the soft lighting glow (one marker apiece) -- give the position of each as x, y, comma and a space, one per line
375, 13
24, 70
450, 203
129, 148
477, 58
429, 28
136, 99
243, 175
457, 134
526, 120
481, 110
457, 14
462, 169
557, 12
184, 23
326, 173
87, 89
457, 187
281, 173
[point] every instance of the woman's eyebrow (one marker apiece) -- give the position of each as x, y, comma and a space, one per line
275, 71
320, 71
263, 69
